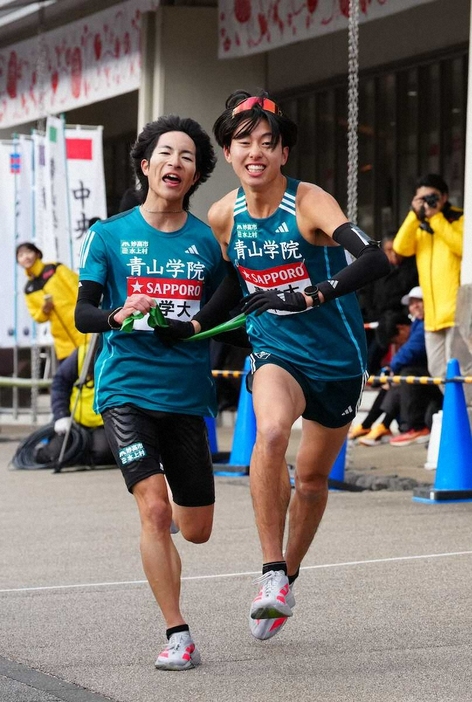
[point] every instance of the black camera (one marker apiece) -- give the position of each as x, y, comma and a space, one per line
431, 200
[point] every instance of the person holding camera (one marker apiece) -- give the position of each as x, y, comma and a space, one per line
433, 232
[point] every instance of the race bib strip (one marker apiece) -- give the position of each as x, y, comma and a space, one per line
230, 325
157, 319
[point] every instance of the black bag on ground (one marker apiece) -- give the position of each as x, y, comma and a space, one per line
41, 449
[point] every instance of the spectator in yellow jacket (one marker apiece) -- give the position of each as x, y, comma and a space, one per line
433, 232
51, 294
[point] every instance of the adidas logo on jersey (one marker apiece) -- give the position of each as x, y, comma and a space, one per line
192, 250
282, 229
348, 410
333, 283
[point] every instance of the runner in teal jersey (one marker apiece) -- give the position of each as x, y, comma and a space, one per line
153, 396
290, 245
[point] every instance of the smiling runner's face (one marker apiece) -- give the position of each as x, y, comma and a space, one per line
254, 160
171, 170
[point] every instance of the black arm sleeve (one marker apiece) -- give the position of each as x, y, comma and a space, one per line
225, 298
88, 317
371, 263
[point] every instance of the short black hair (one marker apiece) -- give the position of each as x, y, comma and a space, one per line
150, 135
31, 247
388, 327
243, 123
433, 180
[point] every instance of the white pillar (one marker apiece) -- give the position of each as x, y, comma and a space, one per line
466, 273
151, 92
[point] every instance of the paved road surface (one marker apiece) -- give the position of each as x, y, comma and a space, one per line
383, 614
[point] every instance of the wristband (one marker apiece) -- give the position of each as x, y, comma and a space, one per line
313, 292
111, 322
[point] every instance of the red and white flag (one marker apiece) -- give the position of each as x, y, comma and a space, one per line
86, 181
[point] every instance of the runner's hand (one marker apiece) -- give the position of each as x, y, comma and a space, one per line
261, 301
176, 331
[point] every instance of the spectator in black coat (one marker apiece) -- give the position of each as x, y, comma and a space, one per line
385, 296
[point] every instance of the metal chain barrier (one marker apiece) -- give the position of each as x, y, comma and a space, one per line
353, 110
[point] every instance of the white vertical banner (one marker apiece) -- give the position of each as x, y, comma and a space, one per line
25, 190
24, 231
86, 181
7, 215
57, 231
40, 203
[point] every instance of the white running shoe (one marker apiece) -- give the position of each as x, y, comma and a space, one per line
179, 654
264, 629
271, 602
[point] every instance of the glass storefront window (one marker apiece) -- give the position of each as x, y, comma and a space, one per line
412, 121
366, 168
453, 127
429, 108
385, 158
325, 169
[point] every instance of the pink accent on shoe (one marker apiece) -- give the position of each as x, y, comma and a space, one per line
413, 436
278, 622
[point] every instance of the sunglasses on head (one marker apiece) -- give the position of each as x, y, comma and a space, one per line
248, 104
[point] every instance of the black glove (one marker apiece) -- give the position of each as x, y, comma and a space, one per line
261, 301
425, 225
175, 331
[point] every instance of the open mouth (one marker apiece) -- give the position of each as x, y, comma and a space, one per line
255, 168
172, 178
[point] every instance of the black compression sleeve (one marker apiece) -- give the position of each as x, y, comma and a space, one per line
88, 317
371, 263
225, 298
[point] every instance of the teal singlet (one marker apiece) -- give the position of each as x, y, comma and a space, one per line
180, 270
325, 343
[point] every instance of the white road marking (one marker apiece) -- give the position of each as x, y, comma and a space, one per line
345, 564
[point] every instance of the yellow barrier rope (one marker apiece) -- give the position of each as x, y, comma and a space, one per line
6, 382
417, 380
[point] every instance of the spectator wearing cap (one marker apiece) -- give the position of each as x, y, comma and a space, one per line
433, 232
411, 405
415, 304
51, 294
414, 403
